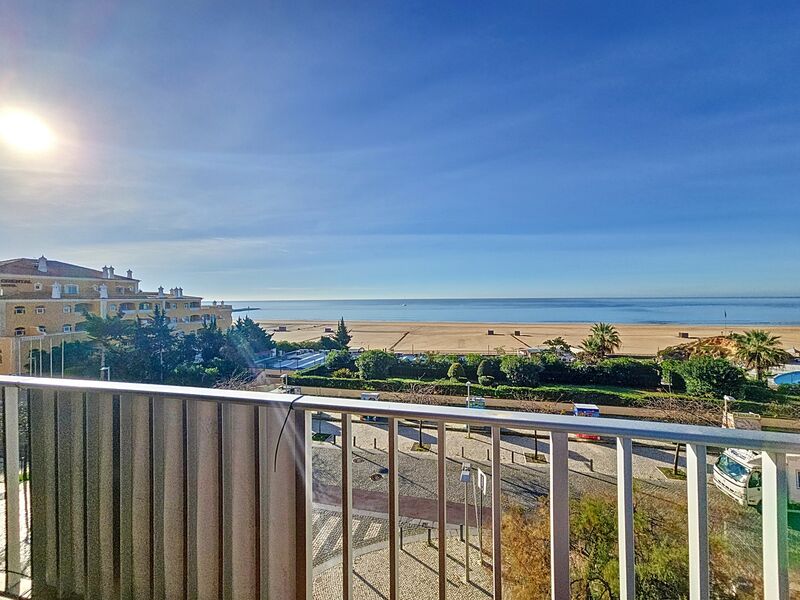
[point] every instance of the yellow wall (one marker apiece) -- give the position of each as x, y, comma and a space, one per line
14, 286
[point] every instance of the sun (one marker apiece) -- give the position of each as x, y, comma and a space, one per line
25, 132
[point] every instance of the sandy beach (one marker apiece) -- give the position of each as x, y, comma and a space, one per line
474, 337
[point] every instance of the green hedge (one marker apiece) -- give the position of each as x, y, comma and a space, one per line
600, 395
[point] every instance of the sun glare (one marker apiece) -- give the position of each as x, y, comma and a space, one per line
25, 132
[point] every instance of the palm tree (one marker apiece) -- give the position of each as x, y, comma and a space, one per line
758, 349
603, 339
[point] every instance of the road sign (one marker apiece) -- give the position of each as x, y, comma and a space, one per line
476, 402
482, 481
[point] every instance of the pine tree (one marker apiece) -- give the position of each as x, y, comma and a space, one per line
342, 336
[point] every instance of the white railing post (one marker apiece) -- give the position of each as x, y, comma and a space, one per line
775, 513
347, 507
11, 472
304, 495
559, 516
441, 482
497, 517
697, 492
627, 573
394, 517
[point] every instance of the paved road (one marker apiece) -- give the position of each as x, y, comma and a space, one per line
592, 470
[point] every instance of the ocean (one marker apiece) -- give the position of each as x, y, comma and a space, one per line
731, 311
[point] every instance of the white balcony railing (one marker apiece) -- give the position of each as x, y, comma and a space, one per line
147, 491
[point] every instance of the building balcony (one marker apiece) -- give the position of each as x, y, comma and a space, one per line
149, 491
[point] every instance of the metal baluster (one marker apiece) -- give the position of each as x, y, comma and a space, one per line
394, 544
441, 464
775, 512
559, 516
497, 517
627, 574
347, 508
11, 471
697, 490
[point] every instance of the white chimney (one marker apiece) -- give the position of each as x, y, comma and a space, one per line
105, 272
129, 274
41, 265
161, 291
111, 272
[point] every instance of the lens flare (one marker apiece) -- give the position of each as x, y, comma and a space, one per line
25, 132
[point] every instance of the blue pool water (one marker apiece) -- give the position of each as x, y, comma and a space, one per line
786, 378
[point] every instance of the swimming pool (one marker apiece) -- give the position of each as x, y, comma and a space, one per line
786, 378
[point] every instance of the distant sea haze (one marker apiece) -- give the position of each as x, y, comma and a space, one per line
731, 311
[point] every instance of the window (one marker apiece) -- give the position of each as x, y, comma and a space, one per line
798, 479
38, 286
67, 308
40, 310
67, 329
19, 331
42, 329
185, 305
734, 470
71, 288
755, 480
112, 307
145, 306
19, 310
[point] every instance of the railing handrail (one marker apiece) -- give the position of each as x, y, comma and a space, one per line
646, 430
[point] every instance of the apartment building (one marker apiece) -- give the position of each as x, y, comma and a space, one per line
42, 302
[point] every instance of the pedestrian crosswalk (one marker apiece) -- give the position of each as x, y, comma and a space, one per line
327, 532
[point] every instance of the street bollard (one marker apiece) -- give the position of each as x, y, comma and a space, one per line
430, 541
512, 456
461, 533
462, 451
375, 443
401, 538
334, 440
487, 455
354, 442
591, 465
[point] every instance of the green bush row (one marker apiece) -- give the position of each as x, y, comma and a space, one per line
555, 393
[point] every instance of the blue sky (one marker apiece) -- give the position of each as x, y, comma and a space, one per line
414, 149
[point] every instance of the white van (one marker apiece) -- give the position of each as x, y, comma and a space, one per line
737, 473
372, 397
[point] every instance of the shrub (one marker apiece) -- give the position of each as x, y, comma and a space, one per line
456, 371
708, 376
338, 359
520, 370
376, 364
671, 373
643, 374
344, 374
489, 367
790, 389
486, 380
